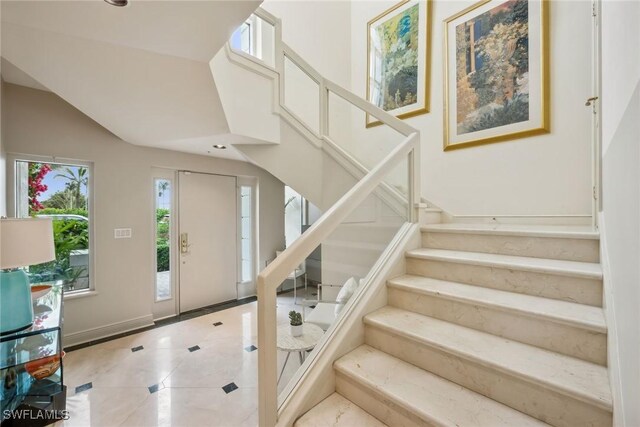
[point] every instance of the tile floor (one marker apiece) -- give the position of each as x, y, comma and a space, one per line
190, 373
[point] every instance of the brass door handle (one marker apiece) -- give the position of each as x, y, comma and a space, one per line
590, 100
184, 243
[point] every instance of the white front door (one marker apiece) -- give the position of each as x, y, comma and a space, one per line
207, 240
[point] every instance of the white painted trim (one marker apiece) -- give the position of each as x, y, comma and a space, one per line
596, 129
12, 158
613, 361
106, 331
276, 272
315, 381
578, 219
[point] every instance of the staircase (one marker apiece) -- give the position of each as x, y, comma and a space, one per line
490, 325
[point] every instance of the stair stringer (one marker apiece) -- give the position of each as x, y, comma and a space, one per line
315, 380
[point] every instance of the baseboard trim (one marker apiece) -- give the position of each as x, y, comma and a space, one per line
579, 219
613, 361
93, 334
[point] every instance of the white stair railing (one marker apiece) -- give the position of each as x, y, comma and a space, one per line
278, 270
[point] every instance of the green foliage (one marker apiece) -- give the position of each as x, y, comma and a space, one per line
161, 214
68, 235
62, 211
66, 199
163, 257
514, 111
295, 318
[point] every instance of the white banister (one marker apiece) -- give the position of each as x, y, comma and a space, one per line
278, 270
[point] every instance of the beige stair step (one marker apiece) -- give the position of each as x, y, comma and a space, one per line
572, 281
552, 387
559, 231
550, 242
336, 411
402, 394
586, 270
576, 330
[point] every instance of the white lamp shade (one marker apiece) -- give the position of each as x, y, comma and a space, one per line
26, 241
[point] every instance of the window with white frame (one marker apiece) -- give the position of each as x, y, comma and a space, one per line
163, 217
246, 233
59, 191
243, 38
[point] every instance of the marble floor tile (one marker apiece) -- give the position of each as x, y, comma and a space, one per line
165, 384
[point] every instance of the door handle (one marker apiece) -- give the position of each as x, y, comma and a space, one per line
184, 243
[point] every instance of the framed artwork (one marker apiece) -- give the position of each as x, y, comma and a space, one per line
496, 72
398, 59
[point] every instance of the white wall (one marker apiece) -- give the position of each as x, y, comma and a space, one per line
3, 165
543, 175
319, 32
40, 123
621, 202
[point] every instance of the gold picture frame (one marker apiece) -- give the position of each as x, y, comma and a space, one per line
477, 124
422, 52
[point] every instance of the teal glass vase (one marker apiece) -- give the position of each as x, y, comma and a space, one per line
16, 309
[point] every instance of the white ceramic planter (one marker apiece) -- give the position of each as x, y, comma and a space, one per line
296, 330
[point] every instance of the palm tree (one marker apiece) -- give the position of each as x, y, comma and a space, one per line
75, 181
162, 187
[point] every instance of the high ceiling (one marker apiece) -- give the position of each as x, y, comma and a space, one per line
141, 71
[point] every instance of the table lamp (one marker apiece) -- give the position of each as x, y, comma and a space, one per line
23, 242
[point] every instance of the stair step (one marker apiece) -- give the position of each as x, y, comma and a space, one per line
572, 281
551, 242
402, 394
586, 270
572, 329
557, 389
559, 231
336, 411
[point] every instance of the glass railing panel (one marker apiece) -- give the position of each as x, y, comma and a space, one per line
301, 95
255, 37
336, 272
346, 127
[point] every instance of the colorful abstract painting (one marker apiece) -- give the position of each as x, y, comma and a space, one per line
492, 68
397, 59
494, 80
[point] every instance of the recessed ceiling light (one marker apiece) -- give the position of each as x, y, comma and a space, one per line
220, 147
118, 3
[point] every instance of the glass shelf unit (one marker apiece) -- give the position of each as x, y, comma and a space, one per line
42, 339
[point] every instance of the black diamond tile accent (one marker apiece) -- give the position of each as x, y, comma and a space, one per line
155, 387
84, 387
251, 348
217, 324
230, 387
194, 348
138, 348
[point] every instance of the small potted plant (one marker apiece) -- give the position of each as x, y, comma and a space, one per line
295, 319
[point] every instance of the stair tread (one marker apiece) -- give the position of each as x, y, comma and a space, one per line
580, 315
587, 270
337, 411
574, 377
559, 231
430, 397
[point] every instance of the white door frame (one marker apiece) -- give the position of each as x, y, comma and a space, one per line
168, 307
596, 122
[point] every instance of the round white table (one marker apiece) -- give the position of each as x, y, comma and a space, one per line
311, 334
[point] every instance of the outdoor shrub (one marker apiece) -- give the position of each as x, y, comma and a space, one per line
163, 257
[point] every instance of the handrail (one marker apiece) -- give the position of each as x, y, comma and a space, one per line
277, 271
272, 276
283, 50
